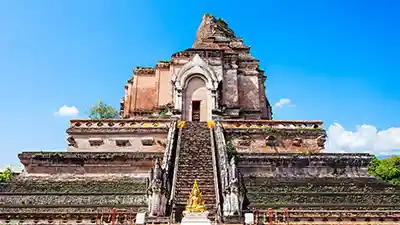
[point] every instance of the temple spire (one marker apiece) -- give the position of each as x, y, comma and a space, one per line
211, 27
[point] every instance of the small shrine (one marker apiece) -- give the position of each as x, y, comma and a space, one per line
195, 212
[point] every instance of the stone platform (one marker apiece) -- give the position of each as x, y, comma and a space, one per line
200, 218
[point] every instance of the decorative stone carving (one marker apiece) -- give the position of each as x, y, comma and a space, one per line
271, 141
156, 190
297, 142
147, 141
321, 142
196, 66
162, 143
244, 141
95, 142
122, 143
233, 195
72, 142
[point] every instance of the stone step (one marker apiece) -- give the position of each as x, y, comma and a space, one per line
195, 156
210, 196
196, 162
207, 199
183, 201
201, 172
200, 177
201, 153
187, 187
202, 185
206, 165
204, 168
210, 207
186, 191
191, 173
202, 148
200, 161
189, 183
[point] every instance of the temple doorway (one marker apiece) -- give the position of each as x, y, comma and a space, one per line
196, 100
196, 110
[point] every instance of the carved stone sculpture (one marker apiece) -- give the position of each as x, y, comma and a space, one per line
321, 142
72, 142
297, 142
157, 199
233, 196
195, 201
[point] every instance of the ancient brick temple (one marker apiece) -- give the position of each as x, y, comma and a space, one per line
202, 115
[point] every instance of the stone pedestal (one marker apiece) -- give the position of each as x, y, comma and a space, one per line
200, 218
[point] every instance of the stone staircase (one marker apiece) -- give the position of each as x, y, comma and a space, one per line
195, 162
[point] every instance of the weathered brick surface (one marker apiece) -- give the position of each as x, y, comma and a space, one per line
319, 181
256, 140
30, 196
242, 83
249, 92
84, 163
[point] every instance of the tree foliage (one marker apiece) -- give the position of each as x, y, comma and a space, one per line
386, 169
102, 111
6, 176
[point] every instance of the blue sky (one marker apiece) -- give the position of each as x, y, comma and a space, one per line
336, 61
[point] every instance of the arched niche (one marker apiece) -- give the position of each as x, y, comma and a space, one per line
197, 99
196, 78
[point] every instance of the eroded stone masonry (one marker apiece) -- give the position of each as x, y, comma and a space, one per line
202, 115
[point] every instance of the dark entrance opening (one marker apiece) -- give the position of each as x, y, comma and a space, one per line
195, 110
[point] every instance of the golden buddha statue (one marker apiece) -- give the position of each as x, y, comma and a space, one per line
195, 202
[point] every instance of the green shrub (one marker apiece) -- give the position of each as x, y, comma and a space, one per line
6, 176
387, 169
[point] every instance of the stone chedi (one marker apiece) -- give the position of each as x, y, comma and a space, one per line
202, 116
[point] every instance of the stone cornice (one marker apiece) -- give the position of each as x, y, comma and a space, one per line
310, 183
204, 53
334, 159
144, 71
335, 213
62, 157
65, 209
301, 165
88, 126
152, 130
329, 207
290, 133
282, 124
163, 64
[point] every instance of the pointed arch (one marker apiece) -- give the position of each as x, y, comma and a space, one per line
196, 66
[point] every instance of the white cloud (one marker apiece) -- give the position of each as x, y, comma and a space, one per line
67, 111
284, 102
14, 167
367, 139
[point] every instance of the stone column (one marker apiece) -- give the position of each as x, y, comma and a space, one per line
178, 97
230, 85
214, 100
178, 103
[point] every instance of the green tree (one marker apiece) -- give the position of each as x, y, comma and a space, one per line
6, 176
386, 169
102, 111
